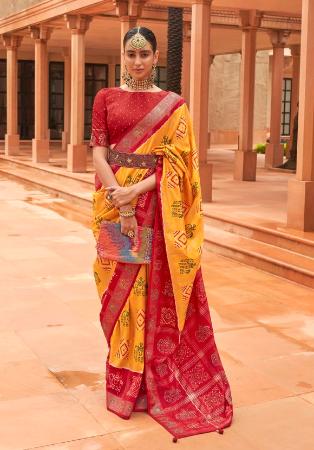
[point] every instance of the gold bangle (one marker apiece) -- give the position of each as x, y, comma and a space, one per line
127, 213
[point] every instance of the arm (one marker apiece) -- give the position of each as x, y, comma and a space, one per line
102, 167
125, 195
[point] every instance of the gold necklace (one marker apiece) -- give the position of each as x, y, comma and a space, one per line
139, 85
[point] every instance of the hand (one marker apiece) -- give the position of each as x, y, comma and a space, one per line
121, 196
128, 224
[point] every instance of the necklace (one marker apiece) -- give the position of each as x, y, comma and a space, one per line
139, 85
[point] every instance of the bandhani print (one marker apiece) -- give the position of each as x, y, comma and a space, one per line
162, 354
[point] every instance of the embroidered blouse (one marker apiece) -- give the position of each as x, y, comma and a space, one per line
116, 111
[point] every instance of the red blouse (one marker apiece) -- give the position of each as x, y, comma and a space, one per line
116, 111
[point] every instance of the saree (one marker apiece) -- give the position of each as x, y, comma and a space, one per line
162, 354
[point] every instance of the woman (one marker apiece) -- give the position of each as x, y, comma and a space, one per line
162, 354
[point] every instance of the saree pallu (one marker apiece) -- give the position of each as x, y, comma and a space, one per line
162, 353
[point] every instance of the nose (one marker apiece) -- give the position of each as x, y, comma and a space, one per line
138, 61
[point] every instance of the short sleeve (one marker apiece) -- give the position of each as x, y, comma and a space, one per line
100, 133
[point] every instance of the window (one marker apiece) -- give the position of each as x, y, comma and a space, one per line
161, 77
3, 98
96, 78
26, 89
286, 106
56, 99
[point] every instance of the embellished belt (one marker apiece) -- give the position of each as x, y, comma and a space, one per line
131, 159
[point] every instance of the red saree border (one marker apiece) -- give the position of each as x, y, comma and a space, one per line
116, 294
187, 389
150, 123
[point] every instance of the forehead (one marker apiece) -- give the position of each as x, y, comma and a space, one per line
128, 47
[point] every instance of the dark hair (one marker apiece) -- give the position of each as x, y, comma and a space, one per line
146, 32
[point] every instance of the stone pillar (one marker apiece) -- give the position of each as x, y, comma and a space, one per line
40, 143
295, 53
111, 75
67, 99
245, 157
199, 90
301, 189
77, 150
186, 63
274, 150
12, 138
128, 12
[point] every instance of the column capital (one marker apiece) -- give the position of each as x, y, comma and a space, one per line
129, 8
279, 38
202, 2
295, 49
250, 19
11, 41
40, 32
77, 24
186, 31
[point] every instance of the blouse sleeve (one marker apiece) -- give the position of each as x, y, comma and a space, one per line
100, 132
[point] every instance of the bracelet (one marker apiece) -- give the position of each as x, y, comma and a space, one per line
127, 213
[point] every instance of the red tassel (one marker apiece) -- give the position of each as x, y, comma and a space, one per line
175, 440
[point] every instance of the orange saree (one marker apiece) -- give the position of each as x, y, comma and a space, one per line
162, 354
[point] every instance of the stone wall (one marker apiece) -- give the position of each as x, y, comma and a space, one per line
224, 98
12, 6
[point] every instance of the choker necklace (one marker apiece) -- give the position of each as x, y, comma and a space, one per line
139, 85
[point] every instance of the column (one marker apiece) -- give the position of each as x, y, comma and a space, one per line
40, 143
245, 157
111, 75
295, 53
301, 189
186, 63
77, 150
67, 99
12, 138
128, 13
274, 150
199, 89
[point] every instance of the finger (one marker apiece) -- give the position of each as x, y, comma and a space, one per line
110, 188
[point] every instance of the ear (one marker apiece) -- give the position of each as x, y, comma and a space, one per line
156, 56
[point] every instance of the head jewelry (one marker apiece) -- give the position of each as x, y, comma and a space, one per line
138, 40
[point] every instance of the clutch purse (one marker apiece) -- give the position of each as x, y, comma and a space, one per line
114, 245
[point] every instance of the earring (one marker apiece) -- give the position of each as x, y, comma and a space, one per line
153, 73
126, 77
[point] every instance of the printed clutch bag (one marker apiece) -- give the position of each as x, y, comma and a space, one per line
112, 244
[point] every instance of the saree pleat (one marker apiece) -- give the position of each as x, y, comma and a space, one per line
162, 353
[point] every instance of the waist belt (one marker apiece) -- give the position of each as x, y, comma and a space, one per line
124, 159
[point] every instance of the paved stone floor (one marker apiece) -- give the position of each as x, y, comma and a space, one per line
53, 350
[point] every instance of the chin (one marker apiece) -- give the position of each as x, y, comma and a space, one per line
139, 77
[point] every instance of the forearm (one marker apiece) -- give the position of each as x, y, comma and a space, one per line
148, 184
102, 167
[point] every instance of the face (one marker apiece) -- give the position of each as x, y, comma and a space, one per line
139, 62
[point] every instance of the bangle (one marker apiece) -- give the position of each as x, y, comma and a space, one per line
127, 212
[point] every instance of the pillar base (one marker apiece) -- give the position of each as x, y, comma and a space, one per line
65, 140
40, 150
274, 155
206, 174
77, 158
11, 144
301, 205
245, 165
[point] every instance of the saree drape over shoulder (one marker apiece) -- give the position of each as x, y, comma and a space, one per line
162, 353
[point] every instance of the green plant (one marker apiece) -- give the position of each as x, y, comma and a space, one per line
260, 148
